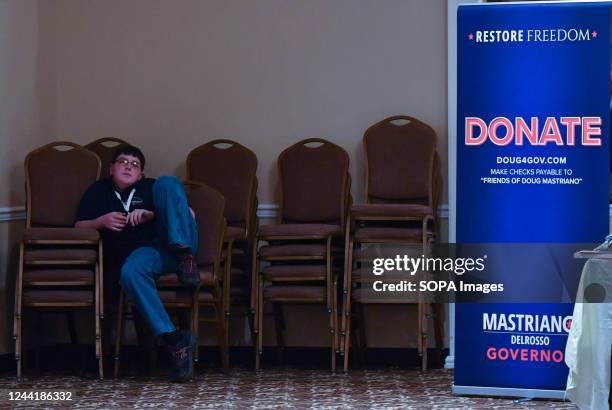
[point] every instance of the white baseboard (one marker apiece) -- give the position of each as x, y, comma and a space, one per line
12, 213
449, 362
267, 211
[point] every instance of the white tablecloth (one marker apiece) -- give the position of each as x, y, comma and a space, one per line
587, 353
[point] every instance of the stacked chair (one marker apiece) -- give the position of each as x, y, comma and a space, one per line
208, 205
231, 169
60, 267
297, 260
401, 197
314, 187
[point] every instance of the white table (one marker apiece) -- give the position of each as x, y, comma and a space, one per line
589, 343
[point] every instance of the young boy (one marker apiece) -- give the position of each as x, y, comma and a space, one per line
147, 229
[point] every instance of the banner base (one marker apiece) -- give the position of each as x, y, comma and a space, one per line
509, 392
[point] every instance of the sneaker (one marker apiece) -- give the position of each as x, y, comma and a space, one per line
181, 357
188, 270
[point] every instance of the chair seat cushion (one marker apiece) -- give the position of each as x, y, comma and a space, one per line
293, 273
58, 255
296, 294
60, 234
306, 231
371, 234
172, 280
296, 250
390, 211
235, 233
57, 277
58, 297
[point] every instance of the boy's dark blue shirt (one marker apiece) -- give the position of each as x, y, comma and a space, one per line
100, 199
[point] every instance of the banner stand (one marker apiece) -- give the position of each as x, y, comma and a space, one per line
532, 166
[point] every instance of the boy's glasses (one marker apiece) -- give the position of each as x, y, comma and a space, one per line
126, 162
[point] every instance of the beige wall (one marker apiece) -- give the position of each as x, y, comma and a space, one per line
26, 74
170, 75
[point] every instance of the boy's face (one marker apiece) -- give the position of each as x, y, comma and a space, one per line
126, 171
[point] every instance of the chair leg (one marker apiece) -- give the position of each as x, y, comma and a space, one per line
346, 283
226, 346
17, 315
336, 317
97, 314
250, 314
17, 336
362, 333
329, 284
438, 316
195, 325
254, 289
120, 323
423, 333
346, 300
279, 329
219, 323
334, 323
99, 348
259, 310
347, 338
226, 306
346, 294
38, 341
254, 302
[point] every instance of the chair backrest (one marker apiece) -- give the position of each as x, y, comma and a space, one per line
208, 205
231, 169
105, 148
57, 176
400, 155
313, 182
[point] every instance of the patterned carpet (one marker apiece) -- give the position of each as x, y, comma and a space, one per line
275, 388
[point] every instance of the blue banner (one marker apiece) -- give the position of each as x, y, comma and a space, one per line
532, 167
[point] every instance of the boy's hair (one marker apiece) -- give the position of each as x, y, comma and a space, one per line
127, 149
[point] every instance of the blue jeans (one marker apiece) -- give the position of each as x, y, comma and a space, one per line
175, 227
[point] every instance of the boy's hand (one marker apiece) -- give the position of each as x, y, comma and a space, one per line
114, 221
138, 216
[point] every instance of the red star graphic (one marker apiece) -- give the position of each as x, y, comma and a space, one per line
471, 36
594, 34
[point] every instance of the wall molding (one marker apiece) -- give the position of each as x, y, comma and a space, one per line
12, 213
267, 211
